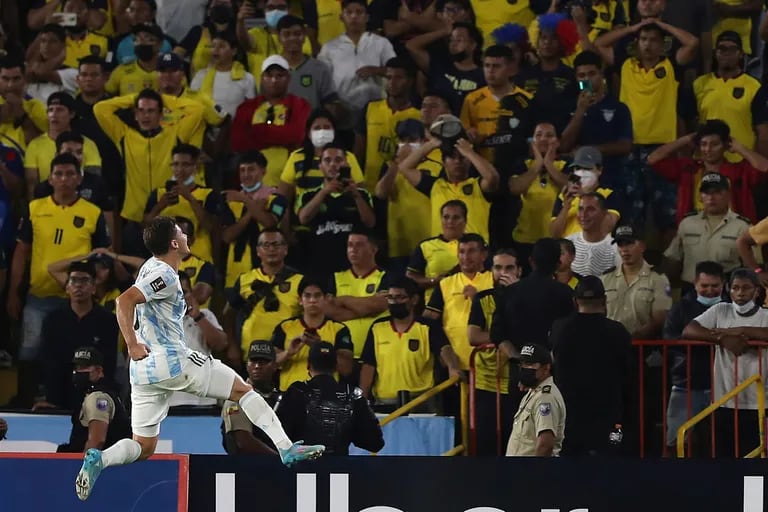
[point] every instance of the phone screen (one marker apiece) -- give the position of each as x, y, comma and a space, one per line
585, 85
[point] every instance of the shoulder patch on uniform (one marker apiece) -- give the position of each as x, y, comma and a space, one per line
233, 410
102, 404
609, 271
158, 284
545, 409
546, 389
745, 219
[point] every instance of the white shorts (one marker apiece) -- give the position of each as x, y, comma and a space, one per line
150, 402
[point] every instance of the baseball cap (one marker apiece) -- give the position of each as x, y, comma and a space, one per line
535, 353
87, 356
62, 98
590, 287
587, 157
409, 129
714, 181
275, 60
261, 349
446, 126
322, 356
730, 36
170, 61
625, 234
104, 259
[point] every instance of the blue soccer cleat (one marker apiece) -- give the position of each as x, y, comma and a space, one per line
88, 474
298, 452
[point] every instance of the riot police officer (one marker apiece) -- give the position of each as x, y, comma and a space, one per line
101, 419
321, 410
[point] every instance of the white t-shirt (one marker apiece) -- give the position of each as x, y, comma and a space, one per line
193, 335
594, 258
227, 93
722, 316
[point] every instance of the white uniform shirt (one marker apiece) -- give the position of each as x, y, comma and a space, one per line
722, 316
159, 324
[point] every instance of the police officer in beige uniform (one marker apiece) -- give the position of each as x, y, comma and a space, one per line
539, 424
708, 235
637, 295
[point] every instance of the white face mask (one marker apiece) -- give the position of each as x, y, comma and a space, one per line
189, 181
252, 188
588, 178
414, 145
321, 138
744, 308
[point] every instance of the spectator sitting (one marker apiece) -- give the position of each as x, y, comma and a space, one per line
139, 12
46, 72
140, 74
713, 140
585, 178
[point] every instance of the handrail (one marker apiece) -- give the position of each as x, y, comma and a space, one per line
404, 409
755, 379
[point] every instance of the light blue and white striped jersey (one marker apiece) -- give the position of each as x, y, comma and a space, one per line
159, 323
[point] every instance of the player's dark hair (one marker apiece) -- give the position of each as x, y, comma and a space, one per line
289, 21
714, 127
407, 284
545, 255
568, 246
186, 149
401, 63
159, 234
149, 94
65, 159
499, 50
710, 268
68, 136
308, 281
253, 157
92, 59
588, 58
455, 203
468, 238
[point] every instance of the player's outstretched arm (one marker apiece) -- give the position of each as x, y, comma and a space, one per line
125, 308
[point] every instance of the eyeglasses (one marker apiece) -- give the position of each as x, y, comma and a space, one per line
270, 245
80, 281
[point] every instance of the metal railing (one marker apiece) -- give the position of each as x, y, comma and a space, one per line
688, 425
408, 407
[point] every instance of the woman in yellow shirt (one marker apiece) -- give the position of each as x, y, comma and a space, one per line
537, 186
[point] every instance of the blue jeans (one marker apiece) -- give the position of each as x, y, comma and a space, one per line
677, 409
35, 311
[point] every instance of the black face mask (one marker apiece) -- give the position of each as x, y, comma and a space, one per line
81, 381
144, 52
458, 57
399, 311
221, 14
528, 377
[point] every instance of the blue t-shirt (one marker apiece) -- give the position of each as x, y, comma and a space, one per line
605, 122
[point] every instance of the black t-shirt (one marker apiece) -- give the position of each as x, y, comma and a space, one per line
555, 93
329, 231
452, 83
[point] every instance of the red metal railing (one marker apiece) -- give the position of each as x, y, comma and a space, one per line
646, 395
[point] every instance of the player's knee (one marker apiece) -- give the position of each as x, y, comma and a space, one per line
239, 388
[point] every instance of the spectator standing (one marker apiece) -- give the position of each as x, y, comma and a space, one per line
713, 139
357, 59
729, 326
321, 409
708, 235
565, 273
176, 19
539, 423
272, 122
595, 251
637, 295
575, 347
138, 13
707, 291
22, 118
82, 41
198, 46
45, 71
140, 74
240, 435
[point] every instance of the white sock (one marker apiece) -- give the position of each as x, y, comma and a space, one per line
261, 414
122, 452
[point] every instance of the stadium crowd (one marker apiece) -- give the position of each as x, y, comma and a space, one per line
404, 180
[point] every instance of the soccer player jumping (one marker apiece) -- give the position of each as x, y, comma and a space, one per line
150, 314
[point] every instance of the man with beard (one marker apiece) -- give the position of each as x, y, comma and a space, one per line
239, 434
575, 348
401, 350
506, 271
